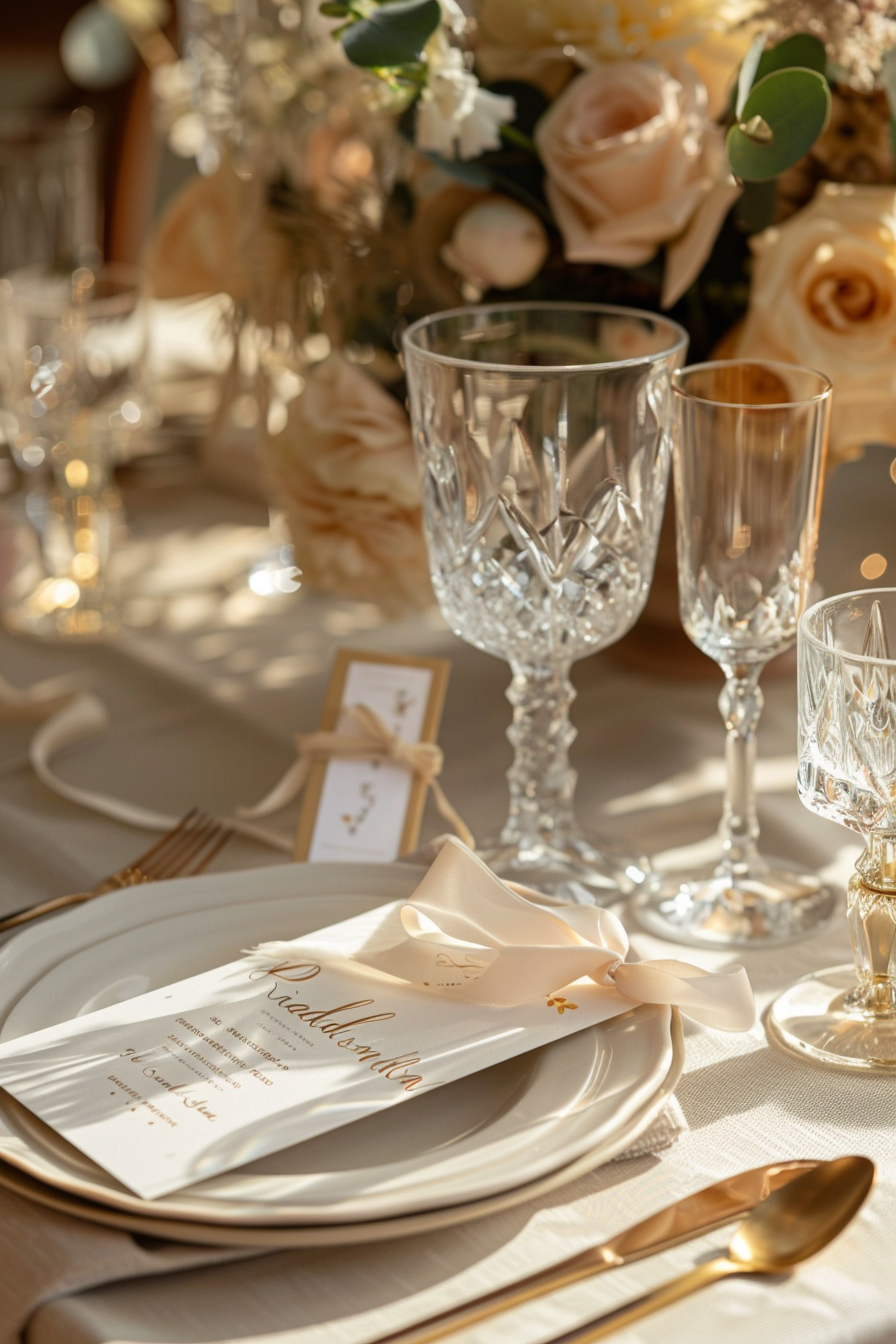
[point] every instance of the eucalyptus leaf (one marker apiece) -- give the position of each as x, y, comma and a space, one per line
755, 207
886, 78
394, 34
795, 105
748, 69
802, 51
470, 173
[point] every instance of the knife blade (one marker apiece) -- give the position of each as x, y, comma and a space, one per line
690, 1217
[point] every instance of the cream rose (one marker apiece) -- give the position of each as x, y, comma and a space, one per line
343, 470
824, 294
633, 162
544, 41
497, 243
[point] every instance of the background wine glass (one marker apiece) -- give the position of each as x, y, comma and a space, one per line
543, 431
847, 773
750, 438
49, 192
72, 348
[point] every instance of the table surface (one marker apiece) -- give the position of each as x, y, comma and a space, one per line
205, 695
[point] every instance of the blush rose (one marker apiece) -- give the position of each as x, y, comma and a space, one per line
633, 163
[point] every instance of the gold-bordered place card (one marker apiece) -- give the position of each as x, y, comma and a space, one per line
369, 811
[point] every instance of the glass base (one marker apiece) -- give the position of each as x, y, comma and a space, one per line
815, 1019
44, 617
775, 903
575, 868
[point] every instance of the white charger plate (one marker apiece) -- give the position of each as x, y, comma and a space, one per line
499, 1130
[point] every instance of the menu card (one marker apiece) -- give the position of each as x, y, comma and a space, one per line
207, 1074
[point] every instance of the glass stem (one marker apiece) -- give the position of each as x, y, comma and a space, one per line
871, 916
740, 704
541, 779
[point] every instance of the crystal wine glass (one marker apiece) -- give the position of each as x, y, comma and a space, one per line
543, 431
72, 347
750, 439
847, 772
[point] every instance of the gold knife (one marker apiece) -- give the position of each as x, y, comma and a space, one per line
690, 1217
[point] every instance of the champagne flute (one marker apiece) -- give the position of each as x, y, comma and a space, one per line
750, 439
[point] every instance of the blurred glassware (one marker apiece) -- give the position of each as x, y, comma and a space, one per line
543, 432
749, 450
847, 772
48, 190
71, 354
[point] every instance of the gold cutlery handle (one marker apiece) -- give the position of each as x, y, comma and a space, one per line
502, 1299
664, 1296
45, 908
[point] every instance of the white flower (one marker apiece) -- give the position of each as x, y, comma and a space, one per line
453, 16
455, 116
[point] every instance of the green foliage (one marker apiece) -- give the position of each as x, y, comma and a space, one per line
802, 51
781, 119
755, 208
393, 35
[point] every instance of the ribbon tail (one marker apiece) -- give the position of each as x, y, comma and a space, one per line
81, 718
722, 999
451, 815
288, 788
39, 701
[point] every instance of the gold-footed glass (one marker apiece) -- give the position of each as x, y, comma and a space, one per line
749, 443
847, 720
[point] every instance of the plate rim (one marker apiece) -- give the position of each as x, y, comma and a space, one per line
308, 1236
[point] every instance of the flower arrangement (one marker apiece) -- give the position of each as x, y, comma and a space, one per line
418, 154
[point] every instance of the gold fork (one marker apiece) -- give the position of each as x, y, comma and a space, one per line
185, 851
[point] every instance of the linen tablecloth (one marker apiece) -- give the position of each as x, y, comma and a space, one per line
203, 705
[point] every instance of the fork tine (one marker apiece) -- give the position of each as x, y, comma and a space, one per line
216, 846
196, 839
169, 838
176, 857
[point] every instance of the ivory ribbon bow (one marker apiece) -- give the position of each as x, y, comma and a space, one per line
362, 737
465, 932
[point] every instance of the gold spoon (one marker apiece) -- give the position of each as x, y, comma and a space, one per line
790, 1225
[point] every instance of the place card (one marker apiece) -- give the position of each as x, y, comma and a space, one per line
361, 811
210, 1073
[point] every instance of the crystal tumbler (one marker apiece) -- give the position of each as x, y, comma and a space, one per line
543, 432
847, 773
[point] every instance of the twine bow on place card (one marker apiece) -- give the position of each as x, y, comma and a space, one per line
362, 737
465, 932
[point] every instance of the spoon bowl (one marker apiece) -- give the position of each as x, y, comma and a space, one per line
801, 1218
792, 1223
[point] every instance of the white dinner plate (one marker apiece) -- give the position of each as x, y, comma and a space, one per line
347, 1234
502, 1128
